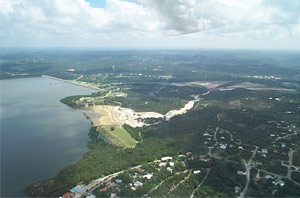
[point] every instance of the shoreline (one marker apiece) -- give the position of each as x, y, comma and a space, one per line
74, 83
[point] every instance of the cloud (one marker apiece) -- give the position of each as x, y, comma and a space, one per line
184, 17
68, 22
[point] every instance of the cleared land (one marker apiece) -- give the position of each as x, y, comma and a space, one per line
118, 135
207, 84
255, 86
106, 115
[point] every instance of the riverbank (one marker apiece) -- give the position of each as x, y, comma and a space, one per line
82, 84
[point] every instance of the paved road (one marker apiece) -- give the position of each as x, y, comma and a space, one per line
248, 169
211, 148
193, 193
289, 173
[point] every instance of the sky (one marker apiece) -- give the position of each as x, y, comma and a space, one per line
233, 24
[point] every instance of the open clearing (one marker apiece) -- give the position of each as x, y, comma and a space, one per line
254, 86
207, 84
120, 134
107, 115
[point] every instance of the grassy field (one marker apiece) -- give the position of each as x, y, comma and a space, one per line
121, 135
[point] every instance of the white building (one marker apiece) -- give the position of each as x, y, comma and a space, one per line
196, 172
148, 176
166, 158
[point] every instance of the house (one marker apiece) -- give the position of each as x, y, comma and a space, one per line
148, 176
280, 183
138, 184
103, 189
78, 189
111, 185
196, 172
237, 189
163, 164
140, 169
171, 163
240, 172
264, 155
268, 177
206, 160
119, 181
113, 195
223, 146
166, 158
264, 151
68, 195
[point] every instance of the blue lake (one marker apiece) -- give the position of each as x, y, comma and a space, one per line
39, 135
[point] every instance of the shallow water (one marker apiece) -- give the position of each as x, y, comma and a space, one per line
39, 135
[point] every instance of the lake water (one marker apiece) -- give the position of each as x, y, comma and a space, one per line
39, 135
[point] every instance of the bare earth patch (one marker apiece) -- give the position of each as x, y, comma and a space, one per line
106, 115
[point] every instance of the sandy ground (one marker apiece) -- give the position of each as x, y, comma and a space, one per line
116, 115
254, 86
207, 84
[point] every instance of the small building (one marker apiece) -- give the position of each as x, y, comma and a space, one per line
166, 158
182, 155
268, 177
148, 176
163, 164
240, 148
189, 154
223, 146
171, 163
138, 184
113, 195
119, 181
103, 189
78, 189
111, 185
68, 195
206, 159
237, 189
280, 183
91, 196
140, 169
264, 151
71, 70
196, 172
240, 172
169, 169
